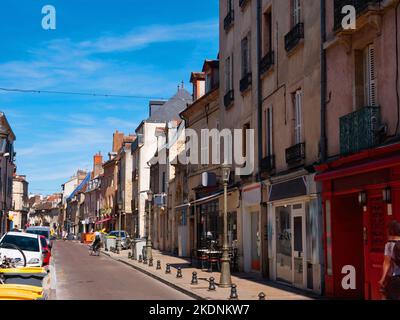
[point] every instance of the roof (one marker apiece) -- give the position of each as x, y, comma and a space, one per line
197, 76
39, 228
213, 64
22, 234
171, 109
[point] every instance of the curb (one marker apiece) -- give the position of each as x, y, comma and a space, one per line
171, 285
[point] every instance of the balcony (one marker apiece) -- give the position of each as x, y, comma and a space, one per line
361, 6
229, 98
228, 21
267, 62
358, 130
243, 3
245, 82
267, 164
296, 154
293, 38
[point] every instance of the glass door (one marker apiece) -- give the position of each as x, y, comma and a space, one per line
298, 243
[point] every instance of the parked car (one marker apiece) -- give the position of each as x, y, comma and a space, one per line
125, 239
42, 231
45, 250
28, 243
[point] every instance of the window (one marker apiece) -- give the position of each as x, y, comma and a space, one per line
269, 132
208, 82
296, 12
229, 5
267, 32
244, 139
298, 97
228, 74
245, 56
365, 77
163, 182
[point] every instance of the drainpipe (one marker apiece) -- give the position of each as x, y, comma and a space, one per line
265, 264
323, 139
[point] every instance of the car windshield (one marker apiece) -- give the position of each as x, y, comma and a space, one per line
24, 243
116, 234
39, 232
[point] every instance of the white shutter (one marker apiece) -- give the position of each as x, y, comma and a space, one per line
205, 156
370, 76
298, 107
296, 12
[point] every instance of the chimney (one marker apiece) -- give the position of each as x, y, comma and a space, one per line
97, 164
198, 79
118, 139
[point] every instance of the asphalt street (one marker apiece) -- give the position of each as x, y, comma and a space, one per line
79, 276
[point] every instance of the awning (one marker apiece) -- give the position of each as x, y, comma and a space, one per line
102, 221
206, 199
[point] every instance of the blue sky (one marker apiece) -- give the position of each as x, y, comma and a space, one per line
121, 47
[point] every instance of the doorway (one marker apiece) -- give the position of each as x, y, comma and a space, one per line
255, 242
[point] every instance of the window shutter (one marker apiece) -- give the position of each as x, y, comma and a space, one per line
296, 12
205, 158
370, 74
228, 74
298, 107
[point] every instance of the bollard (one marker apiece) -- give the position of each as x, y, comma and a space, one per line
212, 287
168, 269
158, 265
179, 273
261, 296
145, 260
194, 278
150, 262
129, 255
140, 258
234, 295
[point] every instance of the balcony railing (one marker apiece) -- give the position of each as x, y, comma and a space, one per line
267, 62
361, 7
228, 21
294, 36
358, 130
243, 3
267, 164
229, 98
245, 82
296, 153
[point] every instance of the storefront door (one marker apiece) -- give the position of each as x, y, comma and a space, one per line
290, 245
255, 242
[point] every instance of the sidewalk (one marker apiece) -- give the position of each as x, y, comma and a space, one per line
248, 285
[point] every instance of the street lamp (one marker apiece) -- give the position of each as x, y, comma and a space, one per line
149, 245
118, 244
225, 280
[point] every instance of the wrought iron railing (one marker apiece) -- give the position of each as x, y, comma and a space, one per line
358, 130
267, 62
294, 36
361, 6
268, 164
296, 154
245, 82
228, 21
229, 98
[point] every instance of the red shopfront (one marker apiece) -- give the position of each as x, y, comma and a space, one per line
361, 195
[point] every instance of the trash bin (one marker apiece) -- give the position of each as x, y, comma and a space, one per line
110, 242
137, 248
26, 276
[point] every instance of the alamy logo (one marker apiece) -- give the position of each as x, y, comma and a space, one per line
49, 20
349, 280
349, 20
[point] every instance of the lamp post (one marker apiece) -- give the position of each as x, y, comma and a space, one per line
225, 280
149, 245
118, 244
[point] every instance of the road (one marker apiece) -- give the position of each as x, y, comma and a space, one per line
83, 277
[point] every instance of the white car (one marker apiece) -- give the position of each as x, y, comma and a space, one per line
29, 244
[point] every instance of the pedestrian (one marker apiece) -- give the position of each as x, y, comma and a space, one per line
390, 281
15, 229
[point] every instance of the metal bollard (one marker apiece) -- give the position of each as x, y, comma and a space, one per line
129, 255
145, 260
140, 258
234, 295
158, 265
261, 296
150, 262
194, 278
179, 273
212, 287
168, 269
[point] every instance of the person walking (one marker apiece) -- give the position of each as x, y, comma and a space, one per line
390, 281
